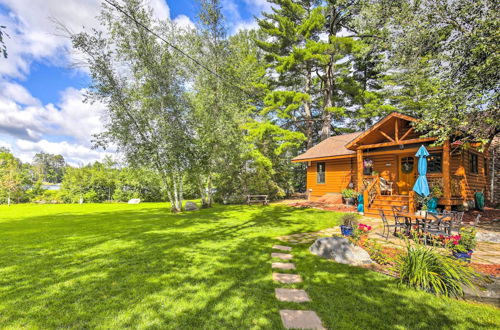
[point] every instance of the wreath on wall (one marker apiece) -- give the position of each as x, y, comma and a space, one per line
407, 167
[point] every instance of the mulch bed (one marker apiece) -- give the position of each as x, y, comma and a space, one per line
487, 269
326, 207
489, 214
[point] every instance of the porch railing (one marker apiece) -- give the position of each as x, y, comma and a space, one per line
371, 191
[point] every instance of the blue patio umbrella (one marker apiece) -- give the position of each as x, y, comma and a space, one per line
421, 186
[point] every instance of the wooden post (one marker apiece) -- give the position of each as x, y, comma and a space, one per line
446, 174
411, 201
359, 176
396, 130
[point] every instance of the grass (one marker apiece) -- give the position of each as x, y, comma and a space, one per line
119, 265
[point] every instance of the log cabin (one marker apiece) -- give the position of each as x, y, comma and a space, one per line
384, 156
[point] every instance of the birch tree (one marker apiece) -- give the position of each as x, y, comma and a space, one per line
140, 80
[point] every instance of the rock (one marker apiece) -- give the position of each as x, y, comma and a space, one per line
133, 201
191, 206
341, 250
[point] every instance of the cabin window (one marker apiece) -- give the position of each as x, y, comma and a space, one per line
473, 164
435, 163
320, 172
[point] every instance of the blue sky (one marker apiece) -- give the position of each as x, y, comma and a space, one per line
41, 93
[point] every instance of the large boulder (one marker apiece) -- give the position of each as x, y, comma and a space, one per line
191, 206
341, 250
133, 201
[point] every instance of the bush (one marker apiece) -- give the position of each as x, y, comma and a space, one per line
349, 193
424, 268
350, 220
49, 196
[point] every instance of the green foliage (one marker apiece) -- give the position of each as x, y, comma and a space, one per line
447, 58
349, 220
424, 268
48, 167
376, 252
463, 242
349, 193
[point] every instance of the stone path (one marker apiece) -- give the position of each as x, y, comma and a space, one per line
292, 295
284, 256
283, 265
292, 319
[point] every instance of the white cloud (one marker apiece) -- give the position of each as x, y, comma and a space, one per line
71, 117
184, 22
74, 154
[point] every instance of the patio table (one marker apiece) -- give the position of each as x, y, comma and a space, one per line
411, 219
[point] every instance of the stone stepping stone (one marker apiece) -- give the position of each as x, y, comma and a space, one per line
283, 265
284, 256
292, 295
287, 278
282, 247
293, 319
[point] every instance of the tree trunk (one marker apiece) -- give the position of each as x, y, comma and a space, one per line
8, 199
328, 102
307, 112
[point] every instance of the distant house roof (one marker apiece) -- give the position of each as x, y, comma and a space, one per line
331, 147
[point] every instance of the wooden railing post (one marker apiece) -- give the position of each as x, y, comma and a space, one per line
446, 174
359, 164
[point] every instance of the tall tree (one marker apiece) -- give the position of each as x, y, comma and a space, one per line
49, 167
321, 70
10, 176
447, 54
141, 81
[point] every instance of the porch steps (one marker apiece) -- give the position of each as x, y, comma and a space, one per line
385, 203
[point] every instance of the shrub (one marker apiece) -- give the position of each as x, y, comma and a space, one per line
349, 193
464, 242
424, 268
350, 220
360, 231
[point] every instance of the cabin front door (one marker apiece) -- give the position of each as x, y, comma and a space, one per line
407, 174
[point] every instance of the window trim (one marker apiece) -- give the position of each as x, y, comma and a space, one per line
318, 172
473, 163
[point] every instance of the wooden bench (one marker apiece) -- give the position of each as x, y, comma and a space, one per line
257, 199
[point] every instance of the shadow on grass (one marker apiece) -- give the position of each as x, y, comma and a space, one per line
208, 269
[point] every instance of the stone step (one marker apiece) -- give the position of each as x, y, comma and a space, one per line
287, 278
283, 265
282, 248
284, 256
295, 319
292, 295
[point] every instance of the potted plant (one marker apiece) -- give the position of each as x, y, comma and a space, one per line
360, 234
349, 222
349, 196
462, 245
436, 194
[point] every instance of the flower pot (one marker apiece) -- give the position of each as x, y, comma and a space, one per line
464, 256
349, 201
345, 230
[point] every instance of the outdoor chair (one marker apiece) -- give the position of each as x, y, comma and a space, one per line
387, 226
456, 222
386, 186
399, 219
436, 224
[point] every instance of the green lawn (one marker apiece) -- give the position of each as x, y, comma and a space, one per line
117, 265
